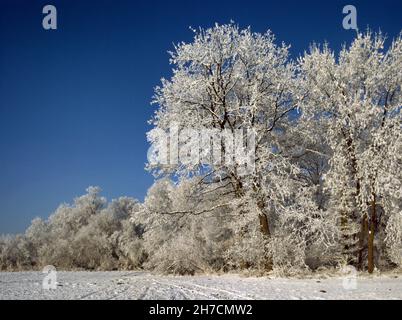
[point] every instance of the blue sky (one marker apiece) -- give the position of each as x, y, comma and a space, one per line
74, 102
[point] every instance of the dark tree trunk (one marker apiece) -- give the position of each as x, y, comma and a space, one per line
362, 240
264, 227
371, 233
264, 224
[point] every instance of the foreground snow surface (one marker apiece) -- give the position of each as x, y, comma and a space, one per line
142, 285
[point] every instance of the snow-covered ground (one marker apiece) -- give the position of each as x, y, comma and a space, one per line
142, 285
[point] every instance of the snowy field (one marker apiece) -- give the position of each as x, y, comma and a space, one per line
141, 285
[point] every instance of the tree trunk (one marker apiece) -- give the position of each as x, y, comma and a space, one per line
355, 250
371, 235
362, 237
264, 227
264, 224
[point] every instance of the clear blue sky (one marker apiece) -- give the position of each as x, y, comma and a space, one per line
74, 102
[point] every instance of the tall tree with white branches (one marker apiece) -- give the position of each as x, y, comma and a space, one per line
358, 95
229, 79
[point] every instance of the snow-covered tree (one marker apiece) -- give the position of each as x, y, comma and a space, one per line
225, 80
16, 253
183, 234
88, 234
358, 94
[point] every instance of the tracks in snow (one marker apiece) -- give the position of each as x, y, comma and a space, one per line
143, 285
182, 289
